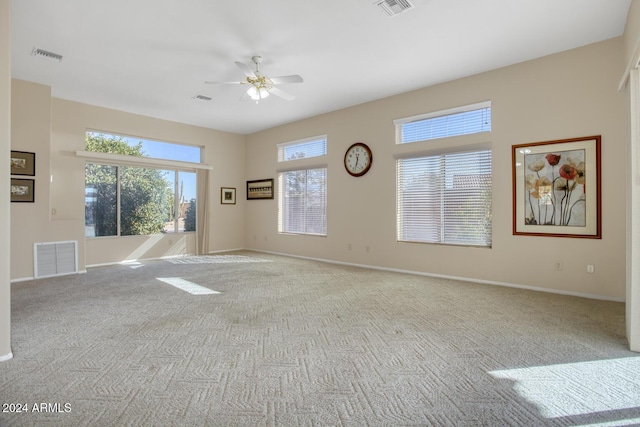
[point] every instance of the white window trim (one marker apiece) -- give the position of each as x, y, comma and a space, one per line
141, 161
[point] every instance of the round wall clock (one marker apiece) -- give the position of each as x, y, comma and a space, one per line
358, 159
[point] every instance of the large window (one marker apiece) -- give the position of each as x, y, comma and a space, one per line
474, 118
124, 199
302, 201
445, 198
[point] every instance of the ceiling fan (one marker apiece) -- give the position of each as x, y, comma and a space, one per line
260, 85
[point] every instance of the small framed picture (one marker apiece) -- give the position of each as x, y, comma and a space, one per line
22, 190
23, 163
228, 196
260, 189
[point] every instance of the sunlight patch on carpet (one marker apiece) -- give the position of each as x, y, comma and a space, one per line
578, 388
216, 259
187, 286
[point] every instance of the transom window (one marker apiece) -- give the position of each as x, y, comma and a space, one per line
309, 147
469, 119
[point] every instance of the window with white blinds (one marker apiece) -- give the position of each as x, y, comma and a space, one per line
445, 198
468, 119
309, 147
302, 202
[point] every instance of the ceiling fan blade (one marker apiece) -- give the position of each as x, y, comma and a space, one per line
286, 79
245, 69
281, 93
225, 83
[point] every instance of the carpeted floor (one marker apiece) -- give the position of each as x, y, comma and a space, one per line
292, 342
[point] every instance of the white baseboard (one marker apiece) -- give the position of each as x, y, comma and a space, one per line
227, 250
22, 279
6, 357
26, 279
466, 279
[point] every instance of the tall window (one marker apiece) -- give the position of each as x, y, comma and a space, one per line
445, 198
124, 199
474, 118
302, 194
302, 201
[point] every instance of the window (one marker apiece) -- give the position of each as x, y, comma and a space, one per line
302, 149
445, 198
302, 201
124, 199
465, 120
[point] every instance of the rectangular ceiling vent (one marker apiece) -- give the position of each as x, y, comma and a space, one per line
393, 7
202, 98
46, 54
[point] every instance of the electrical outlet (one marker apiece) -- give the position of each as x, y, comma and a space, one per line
591, 268
558, 265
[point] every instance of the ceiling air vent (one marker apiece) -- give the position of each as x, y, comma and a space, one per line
202, 98
46, 54
393, 7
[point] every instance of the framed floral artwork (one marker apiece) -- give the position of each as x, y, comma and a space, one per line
556, 188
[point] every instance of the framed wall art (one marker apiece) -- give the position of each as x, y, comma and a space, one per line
228, 196
260, 189
556, 188
22, 190
23, 163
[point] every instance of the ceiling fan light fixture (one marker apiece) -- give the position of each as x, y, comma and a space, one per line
257, 93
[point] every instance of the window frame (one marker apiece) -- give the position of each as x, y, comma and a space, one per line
281, 200
121, 160
281, 148
399, 123
400, 217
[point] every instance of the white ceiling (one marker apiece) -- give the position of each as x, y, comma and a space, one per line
151, 57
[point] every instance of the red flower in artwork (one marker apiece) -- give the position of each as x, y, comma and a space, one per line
568, 172
553, 159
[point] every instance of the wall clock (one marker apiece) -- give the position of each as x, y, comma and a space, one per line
358, 159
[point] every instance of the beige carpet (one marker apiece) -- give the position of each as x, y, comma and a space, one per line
286, 341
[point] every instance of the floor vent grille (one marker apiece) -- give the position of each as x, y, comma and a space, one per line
55, 258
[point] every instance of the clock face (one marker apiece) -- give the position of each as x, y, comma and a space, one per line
357, 159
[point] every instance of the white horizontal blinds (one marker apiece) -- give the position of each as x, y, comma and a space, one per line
446, 125
302, 149
303, 201
445, 199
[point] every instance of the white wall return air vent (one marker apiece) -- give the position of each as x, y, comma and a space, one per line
55, 258
393, 7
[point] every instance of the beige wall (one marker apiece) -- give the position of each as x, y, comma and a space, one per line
5, 148
55, 128
631, 38
566, 95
